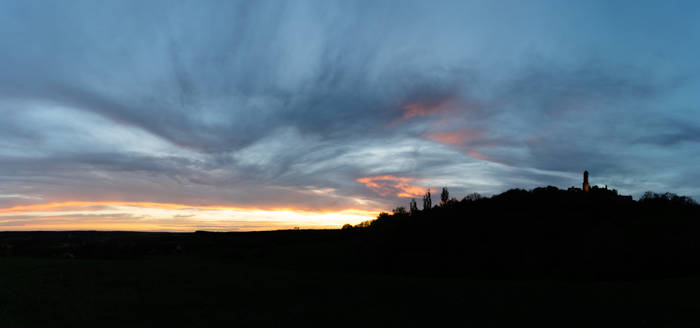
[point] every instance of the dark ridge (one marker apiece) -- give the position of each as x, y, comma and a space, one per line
545, 233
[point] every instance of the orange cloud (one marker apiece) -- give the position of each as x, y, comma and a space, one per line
421, 108
389, 184
461, 139
455, 138
63, 206
478, 155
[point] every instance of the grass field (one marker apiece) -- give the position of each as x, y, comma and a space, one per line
205, 292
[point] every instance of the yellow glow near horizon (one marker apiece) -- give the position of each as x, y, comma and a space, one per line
150, 216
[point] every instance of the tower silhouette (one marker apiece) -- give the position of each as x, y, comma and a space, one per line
586, 186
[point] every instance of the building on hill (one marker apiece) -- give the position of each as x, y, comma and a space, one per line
586, 186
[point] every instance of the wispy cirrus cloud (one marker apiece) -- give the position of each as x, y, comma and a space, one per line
257, 105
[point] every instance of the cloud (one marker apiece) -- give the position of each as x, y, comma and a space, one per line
257, 104
670, 133
387, 185
418, 109
455, 138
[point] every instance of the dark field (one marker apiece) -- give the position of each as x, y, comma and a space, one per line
293, 278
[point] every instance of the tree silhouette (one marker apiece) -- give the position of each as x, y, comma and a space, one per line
413, 206
444, 197
427, 202
472, 197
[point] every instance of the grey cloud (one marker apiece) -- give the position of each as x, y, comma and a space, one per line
670, 133
277, 99
222, 91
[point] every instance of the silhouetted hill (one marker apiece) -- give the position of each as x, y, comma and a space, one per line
548, 233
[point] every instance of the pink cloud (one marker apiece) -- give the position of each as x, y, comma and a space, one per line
456, 137
421, 108
389, 184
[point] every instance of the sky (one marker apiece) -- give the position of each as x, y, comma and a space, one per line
260, 115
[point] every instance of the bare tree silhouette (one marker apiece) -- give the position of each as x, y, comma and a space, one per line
413, 206
427, 202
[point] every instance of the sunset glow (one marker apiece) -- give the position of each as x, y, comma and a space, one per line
256, 115
168, 217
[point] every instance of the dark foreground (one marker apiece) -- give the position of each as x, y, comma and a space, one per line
297, 277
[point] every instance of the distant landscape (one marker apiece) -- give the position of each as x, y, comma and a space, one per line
530, 252
330, 163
